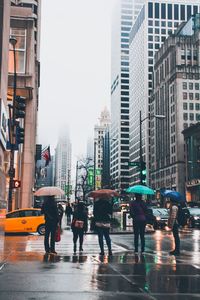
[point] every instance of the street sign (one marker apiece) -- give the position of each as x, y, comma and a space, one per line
134, 163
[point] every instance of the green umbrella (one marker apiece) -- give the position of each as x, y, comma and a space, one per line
140, 189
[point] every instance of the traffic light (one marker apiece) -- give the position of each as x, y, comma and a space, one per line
143, 172
19, 107
38, 152
19, 134
16, 184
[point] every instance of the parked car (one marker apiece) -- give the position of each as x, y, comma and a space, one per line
194, 219
25, 220
157, 217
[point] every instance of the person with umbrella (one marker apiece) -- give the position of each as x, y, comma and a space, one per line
138, 211
173, 224
102, 215
50, 211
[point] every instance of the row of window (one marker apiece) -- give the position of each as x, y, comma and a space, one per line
191, 106
190, 85
191, 117
162, 23
192, 96
171, 11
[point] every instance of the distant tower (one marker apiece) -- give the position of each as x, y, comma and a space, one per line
63, 160
99, 133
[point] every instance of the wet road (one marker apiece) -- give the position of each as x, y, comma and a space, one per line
27, 274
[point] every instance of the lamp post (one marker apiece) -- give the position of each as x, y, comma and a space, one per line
13, 42
161, 117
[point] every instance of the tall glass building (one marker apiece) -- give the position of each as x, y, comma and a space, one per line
123, 17
155, 22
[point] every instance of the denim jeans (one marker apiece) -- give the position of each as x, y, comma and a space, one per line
139, 230
104, 232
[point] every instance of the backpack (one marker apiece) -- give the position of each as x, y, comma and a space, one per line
183, 215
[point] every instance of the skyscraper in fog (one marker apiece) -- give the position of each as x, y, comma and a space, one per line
63, 161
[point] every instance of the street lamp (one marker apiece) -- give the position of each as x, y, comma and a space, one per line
13, 42
160, 117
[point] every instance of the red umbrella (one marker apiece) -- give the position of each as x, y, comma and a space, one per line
105, 193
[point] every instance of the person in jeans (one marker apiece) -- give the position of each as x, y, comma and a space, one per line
138, 211
173, 224
50, 211
79, 225
102, 215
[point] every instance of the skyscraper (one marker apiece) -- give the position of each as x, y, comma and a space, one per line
156, 20
123, 16
63, 161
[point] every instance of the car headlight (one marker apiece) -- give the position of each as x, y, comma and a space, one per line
196, 218
158, 218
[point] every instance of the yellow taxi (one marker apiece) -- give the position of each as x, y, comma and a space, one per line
25, 220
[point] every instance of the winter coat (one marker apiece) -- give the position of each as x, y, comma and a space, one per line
50, 210
102, 211
80, 216
138, 210
172, 215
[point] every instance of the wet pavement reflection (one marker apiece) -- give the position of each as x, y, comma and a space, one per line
29, 274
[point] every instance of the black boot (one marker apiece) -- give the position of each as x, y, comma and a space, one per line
74, 248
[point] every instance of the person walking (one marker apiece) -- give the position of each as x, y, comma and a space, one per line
173, 224
79, 225
68, 212
138, 211
50, 211
102, 216
60, 213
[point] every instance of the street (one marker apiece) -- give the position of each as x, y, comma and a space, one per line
27, 274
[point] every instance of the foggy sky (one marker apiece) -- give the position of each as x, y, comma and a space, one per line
75, 69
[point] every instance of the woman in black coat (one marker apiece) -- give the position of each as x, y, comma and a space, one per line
79, 225
50, 211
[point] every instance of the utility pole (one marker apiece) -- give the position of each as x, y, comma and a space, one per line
76, 185
68, 187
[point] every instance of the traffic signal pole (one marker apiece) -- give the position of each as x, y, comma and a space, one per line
12, 129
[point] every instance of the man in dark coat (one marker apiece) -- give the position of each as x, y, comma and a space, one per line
138, 211
50, 211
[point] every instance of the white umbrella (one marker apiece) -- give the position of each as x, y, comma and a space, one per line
49, 191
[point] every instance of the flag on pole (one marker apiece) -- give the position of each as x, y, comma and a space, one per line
46, 155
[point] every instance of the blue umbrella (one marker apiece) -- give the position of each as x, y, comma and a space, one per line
174, 195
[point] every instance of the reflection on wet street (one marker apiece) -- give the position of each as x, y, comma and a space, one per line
29, 274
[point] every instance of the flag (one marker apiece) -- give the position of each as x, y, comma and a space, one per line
46, 155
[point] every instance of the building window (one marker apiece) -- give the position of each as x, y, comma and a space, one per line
184, 96
163, 11
197, 106
157, 30
150, 38
183, 12
150, 10
150, 45
184, 85
196, 96
185, 116
157, 23
191, 117
169, 6
197, 117
157, 15
176, 14
189, 13
163, 31
150, 30
20, 50
195, 10
196, 86
185, 106
150, 23
169, 24
191, 106
191, 96
190, 86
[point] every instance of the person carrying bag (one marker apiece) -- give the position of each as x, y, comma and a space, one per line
79, 225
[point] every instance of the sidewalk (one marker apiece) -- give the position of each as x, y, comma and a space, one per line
28, 274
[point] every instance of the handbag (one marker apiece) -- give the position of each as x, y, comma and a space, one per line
78, 224
58, 234
102, 224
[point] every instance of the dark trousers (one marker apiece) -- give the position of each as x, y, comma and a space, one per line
176, 237
139, 230
78, 233
103, 232
50, 230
